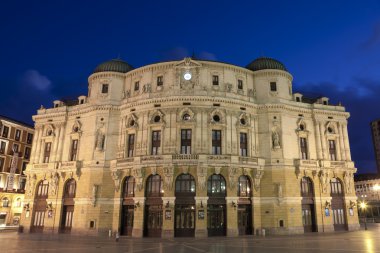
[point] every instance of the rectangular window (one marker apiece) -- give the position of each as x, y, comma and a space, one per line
1, 163
3, 145
240, 84
332, 150
23, 167
160, 80
29, 138
74, 150
243, 144
105, 88
137, 86
27, 153
47, 152
303, 145
22, 183
5, 131
17, 135
131, 144
186, 141
216, 142
273, 86
215, 80
15, 147
156, 142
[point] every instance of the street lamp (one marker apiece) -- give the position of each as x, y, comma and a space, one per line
363, 206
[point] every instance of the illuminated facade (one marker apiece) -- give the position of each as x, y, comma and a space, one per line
15, 149
191, 148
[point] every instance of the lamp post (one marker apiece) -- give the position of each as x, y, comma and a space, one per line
363, 206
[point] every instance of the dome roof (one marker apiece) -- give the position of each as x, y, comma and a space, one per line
266, 63
115, 65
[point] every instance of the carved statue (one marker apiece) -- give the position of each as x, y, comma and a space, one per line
31, 184
347, 181
231, 175
324, 180
116, 178
257, 178
202, 174
138, 175
275, 140
168, 172
53, 183
100, 140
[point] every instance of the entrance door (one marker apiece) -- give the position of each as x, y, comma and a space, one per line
308, 218
39, 209
153, 218
337, 204
184, 220
216, 220
245, 219
67, 218
127, 220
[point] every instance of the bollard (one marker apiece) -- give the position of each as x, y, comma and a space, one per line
117, 236
110, 233
263, 232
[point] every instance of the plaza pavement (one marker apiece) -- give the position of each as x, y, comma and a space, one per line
358, 241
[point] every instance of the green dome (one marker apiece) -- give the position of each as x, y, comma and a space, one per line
265, 63
115, 65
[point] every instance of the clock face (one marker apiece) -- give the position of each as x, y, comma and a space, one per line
187, 76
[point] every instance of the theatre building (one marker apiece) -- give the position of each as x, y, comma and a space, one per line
190, 148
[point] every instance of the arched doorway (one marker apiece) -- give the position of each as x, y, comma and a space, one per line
308, 206
153, 207
68, 206
337, 204
244, 206
216, 205
127, 210
39, 208
184, 222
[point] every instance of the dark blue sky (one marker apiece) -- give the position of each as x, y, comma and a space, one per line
49, 48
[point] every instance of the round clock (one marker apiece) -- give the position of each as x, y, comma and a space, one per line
187, 76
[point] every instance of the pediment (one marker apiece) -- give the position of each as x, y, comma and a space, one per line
188, 63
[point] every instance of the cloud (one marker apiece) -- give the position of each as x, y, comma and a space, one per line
34, 79
206, 56
362, 102
374, 39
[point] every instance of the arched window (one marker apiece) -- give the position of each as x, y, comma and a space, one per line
129, 187
244, 187
42, 189
70, 189
185, 183
336, 186
306, 187
5, 202
154, 186
216, 186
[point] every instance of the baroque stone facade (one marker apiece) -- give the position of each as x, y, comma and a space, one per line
191, 148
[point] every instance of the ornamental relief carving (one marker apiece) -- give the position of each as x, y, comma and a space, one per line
202, 176
168, 177
138, 174
324, 179
257, 176
116, 176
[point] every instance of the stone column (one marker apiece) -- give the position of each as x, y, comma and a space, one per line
346, 142
35, 144
256, 132
341, 142
168, 217
318, 140
232, 223
56, 140
201, 217
323, 141
40, 150
138, 220
60, 144
338, 149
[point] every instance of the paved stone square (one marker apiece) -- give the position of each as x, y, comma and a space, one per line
359, 241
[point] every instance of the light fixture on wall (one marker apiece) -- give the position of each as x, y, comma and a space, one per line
137, 204
233, 204
167, 205
201, 204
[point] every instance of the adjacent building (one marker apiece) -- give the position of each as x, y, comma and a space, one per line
16, 140
375, 129
191, 148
